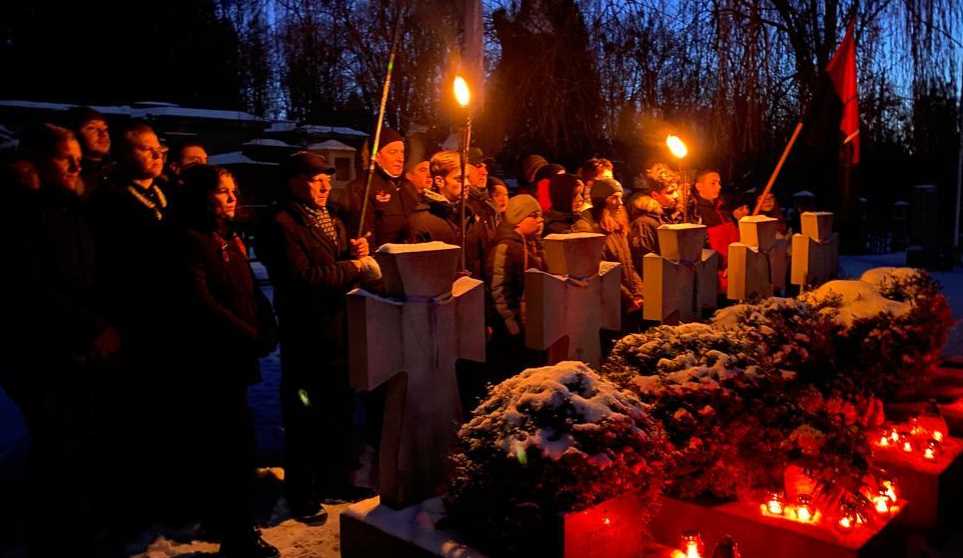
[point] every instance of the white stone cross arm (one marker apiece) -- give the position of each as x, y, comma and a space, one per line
681, 281
576, 298
410, 342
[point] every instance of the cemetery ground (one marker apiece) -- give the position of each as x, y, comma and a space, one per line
295, 539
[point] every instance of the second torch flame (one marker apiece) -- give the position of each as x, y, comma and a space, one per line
676, 146
462, 93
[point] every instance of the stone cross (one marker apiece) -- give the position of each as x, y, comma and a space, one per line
815, 252
579, 295
410, 341
757, 264
682, 281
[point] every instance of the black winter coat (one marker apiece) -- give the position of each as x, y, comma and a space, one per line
434, 219
54, 301
390, 203
228, 321
311, 275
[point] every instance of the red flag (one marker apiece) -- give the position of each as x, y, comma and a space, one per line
842, 72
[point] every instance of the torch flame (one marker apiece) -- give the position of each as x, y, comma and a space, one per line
462, 93
676, 146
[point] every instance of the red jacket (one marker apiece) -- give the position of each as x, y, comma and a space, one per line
721, 230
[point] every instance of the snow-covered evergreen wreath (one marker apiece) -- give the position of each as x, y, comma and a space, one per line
547, 441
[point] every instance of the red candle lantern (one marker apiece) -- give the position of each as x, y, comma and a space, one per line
692, 544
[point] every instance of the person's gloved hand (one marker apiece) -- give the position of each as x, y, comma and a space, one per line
370, 268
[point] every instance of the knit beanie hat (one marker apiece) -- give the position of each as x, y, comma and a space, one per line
603, 188
389, 136
520, 207
530, 166
561, 190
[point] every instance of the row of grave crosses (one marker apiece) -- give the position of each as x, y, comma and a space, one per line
409, 339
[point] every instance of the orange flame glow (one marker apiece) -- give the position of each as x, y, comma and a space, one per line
676, 146
462, 93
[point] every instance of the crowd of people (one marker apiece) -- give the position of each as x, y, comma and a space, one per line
139, 321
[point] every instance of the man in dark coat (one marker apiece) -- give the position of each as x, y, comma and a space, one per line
484, 217
131, 223
390, 201
313, 263
438, 215
60, 348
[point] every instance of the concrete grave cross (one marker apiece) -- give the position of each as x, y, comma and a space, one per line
815, 252
579, 295
757, 264
410, 341
682, 281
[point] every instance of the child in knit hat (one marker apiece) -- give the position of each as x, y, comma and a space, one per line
517, 247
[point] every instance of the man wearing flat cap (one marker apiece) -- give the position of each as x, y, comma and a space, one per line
391, 199
313, 263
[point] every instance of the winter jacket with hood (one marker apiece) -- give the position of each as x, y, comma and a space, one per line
510, 256
434, 219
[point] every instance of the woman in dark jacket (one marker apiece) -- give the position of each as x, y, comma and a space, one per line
228, 326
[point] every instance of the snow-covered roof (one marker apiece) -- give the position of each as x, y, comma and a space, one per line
282, 126
139, 110
331, 145
184, 112
804, 194
265, 142
315, 129
153, 104
236, 158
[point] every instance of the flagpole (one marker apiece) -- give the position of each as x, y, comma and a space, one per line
381, 118
959, 176
775, 173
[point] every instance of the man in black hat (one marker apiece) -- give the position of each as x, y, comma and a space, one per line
390, 200
313, 263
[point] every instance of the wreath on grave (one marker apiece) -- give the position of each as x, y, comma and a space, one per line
892, 327
735, 425
548, 441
